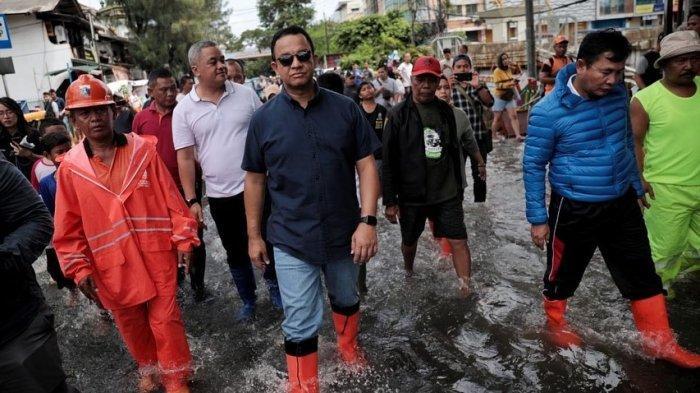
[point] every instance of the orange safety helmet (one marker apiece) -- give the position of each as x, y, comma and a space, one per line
87, 91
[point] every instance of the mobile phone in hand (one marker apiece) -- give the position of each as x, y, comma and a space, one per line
464, 76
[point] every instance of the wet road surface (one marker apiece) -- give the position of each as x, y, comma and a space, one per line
419, 335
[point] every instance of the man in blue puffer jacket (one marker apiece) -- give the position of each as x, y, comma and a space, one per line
582, 132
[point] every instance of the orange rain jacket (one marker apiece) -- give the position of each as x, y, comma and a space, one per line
121, 238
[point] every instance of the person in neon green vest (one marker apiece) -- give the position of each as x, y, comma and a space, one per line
666, 123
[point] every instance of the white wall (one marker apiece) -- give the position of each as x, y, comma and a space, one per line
499, 27
33, 56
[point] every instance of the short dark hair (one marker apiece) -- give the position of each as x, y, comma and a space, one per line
290, 30
46, 93
184, 79
53, 139
331, 81
598, 42
50, 122
160, 72
363, 85
51, 91
462, 58
447, 50
380, 66
694, 12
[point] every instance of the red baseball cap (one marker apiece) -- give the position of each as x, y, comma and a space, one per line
426, 65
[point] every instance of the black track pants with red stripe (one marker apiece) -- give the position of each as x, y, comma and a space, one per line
615, 227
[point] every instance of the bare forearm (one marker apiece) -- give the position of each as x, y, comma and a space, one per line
639, 154
485, 96
369, 186
478, 158
254, 198
546, 78
186, 169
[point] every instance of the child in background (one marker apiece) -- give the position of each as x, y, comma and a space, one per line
44, 167
55, 144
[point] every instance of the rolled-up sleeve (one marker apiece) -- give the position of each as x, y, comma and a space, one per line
365, 138
253, 159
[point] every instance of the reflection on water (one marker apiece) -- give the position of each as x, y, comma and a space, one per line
418, 334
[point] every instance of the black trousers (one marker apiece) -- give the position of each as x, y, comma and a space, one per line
54, 270
479, 186
31, 363
199, 253
229, 215
616, 228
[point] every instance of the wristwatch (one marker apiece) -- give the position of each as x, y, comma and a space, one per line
191, 202
369, 220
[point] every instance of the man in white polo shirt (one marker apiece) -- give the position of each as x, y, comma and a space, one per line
212, 120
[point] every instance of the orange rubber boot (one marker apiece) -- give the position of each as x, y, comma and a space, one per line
303, 373
558, 331
657, 337
347, 328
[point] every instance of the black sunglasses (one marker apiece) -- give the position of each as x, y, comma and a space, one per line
302, 56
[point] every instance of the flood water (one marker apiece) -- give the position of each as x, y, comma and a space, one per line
419, 335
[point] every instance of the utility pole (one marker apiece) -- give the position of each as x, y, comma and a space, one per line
325, 28
412, 9
530, 38
668, 18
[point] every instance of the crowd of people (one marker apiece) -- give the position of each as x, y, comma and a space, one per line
293, 187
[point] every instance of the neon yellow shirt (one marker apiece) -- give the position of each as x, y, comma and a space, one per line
672, 142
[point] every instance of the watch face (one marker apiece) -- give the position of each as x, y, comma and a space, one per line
370, 220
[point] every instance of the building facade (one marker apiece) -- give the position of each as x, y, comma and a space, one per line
51, 42
349, 10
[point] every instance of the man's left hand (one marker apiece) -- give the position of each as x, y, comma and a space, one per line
184, 259
364, 243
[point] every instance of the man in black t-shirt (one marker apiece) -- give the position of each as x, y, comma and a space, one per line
374, 113
422, 170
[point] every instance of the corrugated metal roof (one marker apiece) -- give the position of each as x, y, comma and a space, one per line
27, 6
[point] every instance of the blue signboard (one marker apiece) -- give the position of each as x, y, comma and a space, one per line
5, 41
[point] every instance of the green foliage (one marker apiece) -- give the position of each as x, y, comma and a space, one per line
317, 32
162, 33
371, 38
258, 38
257, 67
373, 30
277, 14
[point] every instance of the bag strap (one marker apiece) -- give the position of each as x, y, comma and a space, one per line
463, 92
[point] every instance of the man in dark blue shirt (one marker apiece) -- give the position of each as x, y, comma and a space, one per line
306, 143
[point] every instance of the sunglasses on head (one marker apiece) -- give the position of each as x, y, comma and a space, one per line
287, 59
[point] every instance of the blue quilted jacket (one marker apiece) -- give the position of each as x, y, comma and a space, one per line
586, 143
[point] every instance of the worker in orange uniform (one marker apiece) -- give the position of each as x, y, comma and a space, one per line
121, 230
